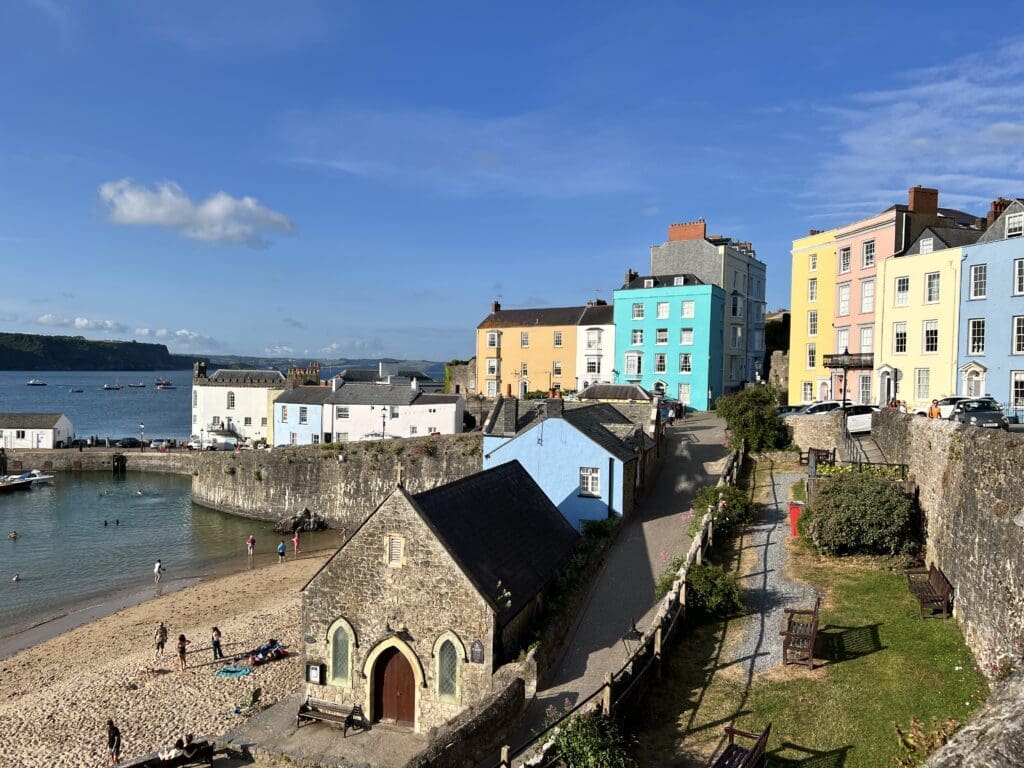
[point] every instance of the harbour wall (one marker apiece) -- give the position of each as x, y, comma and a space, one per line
101, 460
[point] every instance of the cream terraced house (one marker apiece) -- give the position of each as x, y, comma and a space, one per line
238, 401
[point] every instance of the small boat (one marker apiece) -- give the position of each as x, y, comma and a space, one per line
37, 477
15, 483
76, 391
166, 386
35, 383
113, 387
164, 382
140, 385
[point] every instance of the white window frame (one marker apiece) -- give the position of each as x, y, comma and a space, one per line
812, 289
492, 366
231, 401
341, 412
867, 296
634, 363
636, 337
593, 364
867, 254
688, 309
492, 388
648, 282
303, 414
927, 245
899, 329
556, 368
807, 391
930, 326
590, 482
901, 297
524, 339
1014, 224
1018, 277
679, 280
864, 388
812, 356
979, 281
660, 363
558, 338
492, 339
922, 383
844, 260
638, 311
812, 262
974, 348
661, 335
1017, 393
685, 392
929, 279
842, 340
843, 300
685, 362
662, 310
1017, 329
686, 337
284, 415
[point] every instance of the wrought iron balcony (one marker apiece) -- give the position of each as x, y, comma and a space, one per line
849, 361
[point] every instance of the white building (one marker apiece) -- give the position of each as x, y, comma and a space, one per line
362, 411
595, 346
238, 401
35, 430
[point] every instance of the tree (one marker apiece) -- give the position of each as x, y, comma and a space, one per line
750, 416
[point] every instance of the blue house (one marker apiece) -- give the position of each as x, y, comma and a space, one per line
299, 415
591, 460
990, 359
669, 337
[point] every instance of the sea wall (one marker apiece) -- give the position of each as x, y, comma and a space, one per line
970, 489
100, 460
343, 482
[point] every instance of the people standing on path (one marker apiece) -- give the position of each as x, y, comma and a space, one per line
215, 643
281, 549
160, 638
113, 742
157, 570
183, 644
934, 412
902, 406
295, 543
250, 545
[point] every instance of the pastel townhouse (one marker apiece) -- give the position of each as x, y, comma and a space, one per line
595, 346
670, 337
236, 401
380, 411
916, 353
812, 297
991, 332
733, 266
298, 416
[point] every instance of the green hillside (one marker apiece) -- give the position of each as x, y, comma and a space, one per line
32, 352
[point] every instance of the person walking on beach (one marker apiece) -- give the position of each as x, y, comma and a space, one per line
250, 545
295, 543
183, 644
113, 742
281, 549
215, 642
157, 570
160, 636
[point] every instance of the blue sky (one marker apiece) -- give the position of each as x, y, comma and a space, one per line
360, 179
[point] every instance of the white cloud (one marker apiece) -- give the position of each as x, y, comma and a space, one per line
957, 127
51, 319
278, 350
142, 331
349, 346
219, 218
80, 323
162, 333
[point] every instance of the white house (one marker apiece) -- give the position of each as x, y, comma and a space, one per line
238, 401
35, 430
595, 346
367, 411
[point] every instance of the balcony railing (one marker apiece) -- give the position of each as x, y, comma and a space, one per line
849, 360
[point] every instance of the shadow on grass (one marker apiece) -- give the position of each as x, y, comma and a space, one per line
780, 757
838, 643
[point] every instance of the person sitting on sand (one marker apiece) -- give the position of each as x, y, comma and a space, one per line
174, 752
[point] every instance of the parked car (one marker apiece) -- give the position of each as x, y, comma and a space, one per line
162, 444
815, 408
858, 418
783, 410
193, 444
946, 405
980, 412
129, 442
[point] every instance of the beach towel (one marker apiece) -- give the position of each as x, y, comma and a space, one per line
233, 671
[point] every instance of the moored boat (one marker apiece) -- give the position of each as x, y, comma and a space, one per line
113, 386
35, 383
164, 382
15, 483
140, 385
37, 477
76, 390
166, 386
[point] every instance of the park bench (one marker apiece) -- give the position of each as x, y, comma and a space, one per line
821, 456
931, 588
799, 635
736, 756
345, 715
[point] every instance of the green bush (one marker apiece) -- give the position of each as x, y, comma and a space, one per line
668, 576
859, 513
593, 741
713, 590
750, 416
738, 510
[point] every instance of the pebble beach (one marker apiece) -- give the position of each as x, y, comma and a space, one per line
55, 697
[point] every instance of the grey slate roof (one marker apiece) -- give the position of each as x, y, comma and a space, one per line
360, 393
997, 231
251, 378
303, 396
507, 318
605, 426
439, 399
29, 420
948, 237
600, 314
663, 281
358, 374
500, 526
615, 392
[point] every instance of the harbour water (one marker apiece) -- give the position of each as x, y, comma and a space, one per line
68, 559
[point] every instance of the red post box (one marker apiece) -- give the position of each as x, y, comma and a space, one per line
795, 508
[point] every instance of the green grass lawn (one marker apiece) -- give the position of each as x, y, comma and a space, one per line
882, 665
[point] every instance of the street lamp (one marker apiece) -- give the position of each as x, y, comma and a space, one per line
142, 435
383, 421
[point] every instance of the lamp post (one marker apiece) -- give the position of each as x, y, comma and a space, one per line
383, 421
142, 436
202, 438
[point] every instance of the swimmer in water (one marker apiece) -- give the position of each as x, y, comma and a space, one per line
138, 493
17, 577
12, 535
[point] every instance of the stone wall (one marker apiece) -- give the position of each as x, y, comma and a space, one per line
344, 482
819, 431
970, 489
99, 460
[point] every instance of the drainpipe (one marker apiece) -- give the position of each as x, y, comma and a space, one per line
611, 486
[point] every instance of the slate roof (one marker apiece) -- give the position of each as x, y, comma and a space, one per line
303, 396
439, 399
251, 378
949, 237
615, 392
360, 393
663, 281
600, 314
606, 427
500, 526
510, 318
962, 218
353, 374
997, 230
29, 420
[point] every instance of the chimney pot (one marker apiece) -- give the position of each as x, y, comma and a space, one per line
999, 205
495, 307
687, 230
923, 200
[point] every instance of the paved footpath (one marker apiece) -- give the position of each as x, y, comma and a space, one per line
695, 453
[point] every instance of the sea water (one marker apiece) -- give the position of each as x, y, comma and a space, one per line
67, 558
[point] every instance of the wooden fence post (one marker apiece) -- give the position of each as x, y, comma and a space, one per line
606, 695
506, 761
657, 652
700, 547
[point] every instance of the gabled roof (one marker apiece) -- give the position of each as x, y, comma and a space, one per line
360, 393
303, 396
615, 392
961, 218
499, 526
606, 427
947, 236
662, 281
353, 374
599, 314
512, 318
252, 378
29, 420
997, 230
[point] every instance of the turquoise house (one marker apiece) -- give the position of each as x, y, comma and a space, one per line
669, 337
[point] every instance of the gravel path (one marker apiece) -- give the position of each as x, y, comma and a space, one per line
767, 592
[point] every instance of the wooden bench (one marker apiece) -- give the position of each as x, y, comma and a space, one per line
345, 715
736, 756
799, 635
821, 456
931, 588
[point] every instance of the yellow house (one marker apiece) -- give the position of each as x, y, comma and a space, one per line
526, 350
916, 322
813, 300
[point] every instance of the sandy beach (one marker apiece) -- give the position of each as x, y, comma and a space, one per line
55, 697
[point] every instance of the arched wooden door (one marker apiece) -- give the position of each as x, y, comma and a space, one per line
394, 689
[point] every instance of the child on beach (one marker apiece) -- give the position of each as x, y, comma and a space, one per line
113, 742
215, 642
160, 636
295, 542
183, 644
281, 549
157, 570
250, 545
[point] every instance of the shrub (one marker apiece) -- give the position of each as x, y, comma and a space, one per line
859, 513
918, 741
713, 590
668, 576
593, 741
750, 416
737, 511
229, 470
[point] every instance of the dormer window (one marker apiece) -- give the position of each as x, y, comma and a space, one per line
1015, 224
648, 282
927, 244
679, 280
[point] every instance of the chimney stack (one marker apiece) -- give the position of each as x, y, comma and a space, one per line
495, 306
415, 384
923, 200
814, 232
999, 205
687, 230
554, 406
631, 276
336, 382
